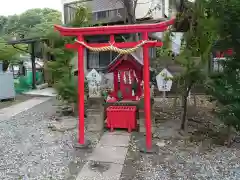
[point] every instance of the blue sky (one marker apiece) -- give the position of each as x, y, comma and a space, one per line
10, 7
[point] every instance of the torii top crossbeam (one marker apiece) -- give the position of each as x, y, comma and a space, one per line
117, 29
144, 29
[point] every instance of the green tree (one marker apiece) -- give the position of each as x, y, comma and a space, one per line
64, 81
12, 25
7, 52
45, 27
31, 23
224, 87
3, 21
197, 43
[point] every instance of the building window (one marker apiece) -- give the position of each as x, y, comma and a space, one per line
107, 14
93, 60
99, 60
152, 52
102, 15
104, 59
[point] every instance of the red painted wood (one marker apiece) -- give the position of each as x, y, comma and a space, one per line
147, 97
119, 45
112, 67
126, 65
112, 39
115, 84
81, 92
121, 117
117, 29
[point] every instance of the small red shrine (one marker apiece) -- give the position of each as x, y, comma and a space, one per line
127, 72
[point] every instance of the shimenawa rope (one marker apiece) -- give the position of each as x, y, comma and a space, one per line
113, 48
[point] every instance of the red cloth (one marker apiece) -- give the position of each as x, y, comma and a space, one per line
112, 99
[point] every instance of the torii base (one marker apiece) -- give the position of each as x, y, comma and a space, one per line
141, 145
86, 145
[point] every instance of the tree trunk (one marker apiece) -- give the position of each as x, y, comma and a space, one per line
130, 6
177, 96
230, 136
194, 100
184, 106
175, 102
184, 110
46, 75
5, 65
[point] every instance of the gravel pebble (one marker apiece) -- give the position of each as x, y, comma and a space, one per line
178, 158
31, 151
174, 163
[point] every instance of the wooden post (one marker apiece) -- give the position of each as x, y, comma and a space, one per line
147, 106
33, 65
81, 78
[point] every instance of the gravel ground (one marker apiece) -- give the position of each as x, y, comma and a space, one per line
178, 161
31, 151
181, 157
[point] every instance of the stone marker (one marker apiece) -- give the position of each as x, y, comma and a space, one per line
94, 81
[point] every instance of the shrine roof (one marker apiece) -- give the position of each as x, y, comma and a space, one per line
118, 60
137, 61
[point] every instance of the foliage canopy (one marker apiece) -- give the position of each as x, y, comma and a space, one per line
224, 86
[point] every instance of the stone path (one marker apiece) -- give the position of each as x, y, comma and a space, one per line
107, 160
49, 92
11, 111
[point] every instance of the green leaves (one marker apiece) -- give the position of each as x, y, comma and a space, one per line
67, 89
7, 52
61, 69
31, 23
225, 86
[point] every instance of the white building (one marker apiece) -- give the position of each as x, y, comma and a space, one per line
113, 10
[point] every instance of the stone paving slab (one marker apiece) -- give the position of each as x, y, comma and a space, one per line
123, 133
109, 154
113, 172
115, 140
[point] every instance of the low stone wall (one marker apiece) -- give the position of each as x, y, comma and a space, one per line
201, 101
95, 113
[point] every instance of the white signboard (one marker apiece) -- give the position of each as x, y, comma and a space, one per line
164, 81
94, 82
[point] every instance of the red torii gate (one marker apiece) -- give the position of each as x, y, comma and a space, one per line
144, 29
